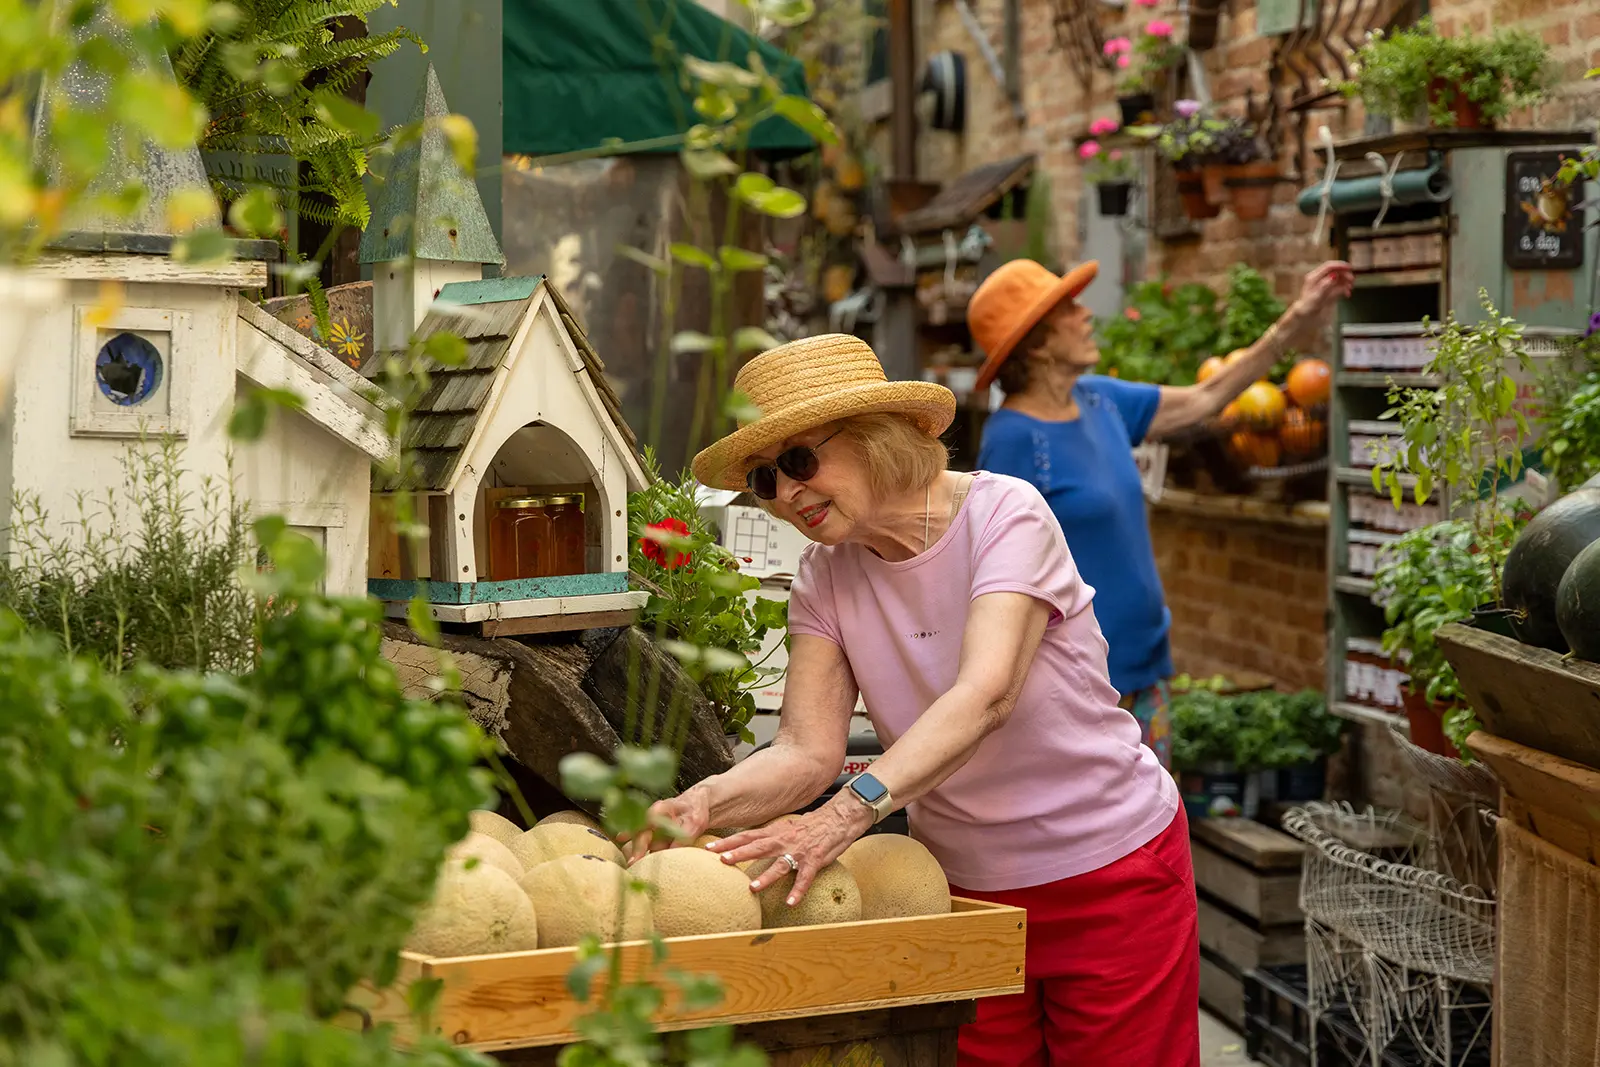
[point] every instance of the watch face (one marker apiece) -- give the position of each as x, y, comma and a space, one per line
868, 788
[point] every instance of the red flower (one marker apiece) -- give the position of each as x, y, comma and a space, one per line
1132, 313
654, 549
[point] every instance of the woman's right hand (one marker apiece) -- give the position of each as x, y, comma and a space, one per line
689, 812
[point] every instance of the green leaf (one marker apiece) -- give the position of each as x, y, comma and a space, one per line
708, 163
740, 259
655, 264
256, 213
344, 114
420, 617
787, 13
753, 339
738, 407
654, 769
726, 75
161, 108
808, 116
691, 255
751, 184
580, 979
715, 104
687, 341
249, 419
585, 776
445, 348
209, 245
1506, 395
779, 203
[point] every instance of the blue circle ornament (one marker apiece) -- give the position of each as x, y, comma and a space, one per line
128, 369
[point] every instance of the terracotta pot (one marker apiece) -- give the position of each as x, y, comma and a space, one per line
1426, 719
1213, 176
1192, 191
1114, 198
1203, 16
1136, 108
1468, 113
1250, 187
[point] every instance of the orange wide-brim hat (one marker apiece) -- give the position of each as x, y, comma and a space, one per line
1012, 301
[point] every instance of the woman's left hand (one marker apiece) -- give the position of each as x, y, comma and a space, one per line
814, 840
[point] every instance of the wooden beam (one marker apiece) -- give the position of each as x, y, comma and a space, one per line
1270, 899
546, 624
270, 365
149, 270
903, 82
314, 355
1250, 842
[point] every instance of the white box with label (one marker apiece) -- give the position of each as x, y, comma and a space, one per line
772, 654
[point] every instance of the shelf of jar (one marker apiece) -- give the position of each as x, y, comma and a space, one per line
1364, 713
1382, 379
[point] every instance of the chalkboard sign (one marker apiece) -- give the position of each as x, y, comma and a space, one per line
1544, 220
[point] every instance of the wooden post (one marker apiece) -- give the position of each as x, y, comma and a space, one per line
903, 78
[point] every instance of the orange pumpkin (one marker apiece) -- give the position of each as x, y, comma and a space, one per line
1235, 356
1310, 381
1301, 434
1230, 415
1254, 449
1210, 367
1262, 405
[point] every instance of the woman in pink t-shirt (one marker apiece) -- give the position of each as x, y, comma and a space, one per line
951, 604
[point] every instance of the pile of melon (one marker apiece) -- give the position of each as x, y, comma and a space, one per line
505, 889
1269, 425
1551, 577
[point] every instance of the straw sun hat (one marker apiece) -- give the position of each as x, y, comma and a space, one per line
810, 382
1011, 301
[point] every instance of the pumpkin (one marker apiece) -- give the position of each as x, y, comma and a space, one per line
1262, 405
1301, 434
1254, 449
1230, 415
1209, 368
1235, 356
1309, 383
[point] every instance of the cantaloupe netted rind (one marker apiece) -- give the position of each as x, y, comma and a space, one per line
495, 825
575, 896
550, 841
475, 911
572, 817
832, 898
486, 850
897, 876
693, 892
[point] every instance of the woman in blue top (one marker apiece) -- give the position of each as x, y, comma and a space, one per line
1071, 433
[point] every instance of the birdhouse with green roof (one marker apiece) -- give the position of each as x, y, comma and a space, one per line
522, 468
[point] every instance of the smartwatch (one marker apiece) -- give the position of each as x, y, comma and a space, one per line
873, 793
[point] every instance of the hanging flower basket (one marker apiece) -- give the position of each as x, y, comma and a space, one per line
1250, 189
1192, 191
1136, 108
1114, 197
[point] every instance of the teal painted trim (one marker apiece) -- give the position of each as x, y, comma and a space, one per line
496, 592
489, 290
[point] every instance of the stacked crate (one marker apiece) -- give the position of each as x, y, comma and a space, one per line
1247, 876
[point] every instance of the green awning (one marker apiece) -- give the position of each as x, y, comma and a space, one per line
580, 72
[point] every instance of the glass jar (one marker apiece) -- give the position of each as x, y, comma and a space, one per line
566, 534
536, 537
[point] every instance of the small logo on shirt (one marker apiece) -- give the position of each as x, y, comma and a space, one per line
923, 635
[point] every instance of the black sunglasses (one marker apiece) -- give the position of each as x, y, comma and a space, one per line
799, 463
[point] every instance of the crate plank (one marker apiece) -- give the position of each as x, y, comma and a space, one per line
1245, 946
1270, 899
1513, 686
1221, 993
1252, 843
520, 999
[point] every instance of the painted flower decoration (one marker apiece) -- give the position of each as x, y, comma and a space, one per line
1101, 127
1187, 109
654, 543
1088, 149
347, 342
1158, 28
1117, 46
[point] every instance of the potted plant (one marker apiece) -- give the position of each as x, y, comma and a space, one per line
1111, 173
1465, 81
1154, 52
1187, 143
1247, 171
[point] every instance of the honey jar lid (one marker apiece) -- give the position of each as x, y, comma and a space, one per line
526, 502
565, 498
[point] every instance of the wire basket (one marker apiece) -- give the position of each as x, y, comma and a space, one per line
1401, 909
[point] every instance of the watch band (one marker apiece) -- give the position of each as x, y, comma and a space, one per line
882, 806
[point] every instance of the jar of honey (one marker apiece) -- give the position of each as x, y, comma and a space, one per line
536, 537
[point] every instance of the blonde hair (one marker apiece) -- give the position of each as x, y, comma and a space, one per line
899, 456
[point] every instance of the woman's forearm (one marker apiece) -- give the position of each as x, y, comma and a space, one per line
1254, 365
774, 781
938, 744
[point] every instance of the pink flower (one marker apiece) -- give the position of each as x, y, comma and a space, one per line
1158, 28
1101, 127
1088, 149
1146, 3
1187, 108
1117, 46
1132, 313
1123, 61
1116, 155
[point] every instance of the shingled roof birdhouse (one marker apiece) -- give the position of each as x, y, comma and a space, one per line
522, 459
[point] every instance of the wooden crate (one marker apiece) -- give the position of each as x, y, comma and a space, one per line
1552, 798
520, 999
1247, 878
1528, 695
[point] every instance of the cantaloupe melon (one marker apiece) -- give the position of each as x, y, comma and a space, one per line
495, 825
549, 841
475, 911
486, 849
705, 839
897, 877
694, 892
572, 818
575, 896
832, 898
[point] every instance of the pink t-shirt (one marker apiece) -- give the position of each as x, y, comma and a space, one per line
1065, 786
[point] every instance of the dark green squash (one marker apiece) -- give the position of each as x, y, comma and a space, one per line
1538, 560
1578, 604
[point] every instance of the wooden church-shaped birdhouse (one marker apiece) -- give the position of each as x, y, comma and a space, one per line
523, 461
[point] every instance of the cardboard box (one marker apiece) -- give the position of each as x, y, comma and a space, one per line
772, 545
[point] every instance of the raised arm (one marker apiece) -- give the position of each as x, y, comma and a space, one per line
1002, 635
1185, 405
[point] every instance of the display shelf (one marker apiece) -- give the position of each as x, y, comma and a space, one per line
1363, 476
1362, 713
1379, 278
1382, 379
1355, 586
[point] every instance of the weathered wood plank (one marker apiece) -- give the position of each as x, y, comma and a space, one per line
1557, 799
269, 364
519, 1000
1270, 899
1220, 992
154, 270
1248, 947
1515, 687
1250, 842
550, 624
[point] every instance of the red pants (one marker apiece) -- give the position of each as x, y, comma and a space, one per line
1113, 968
